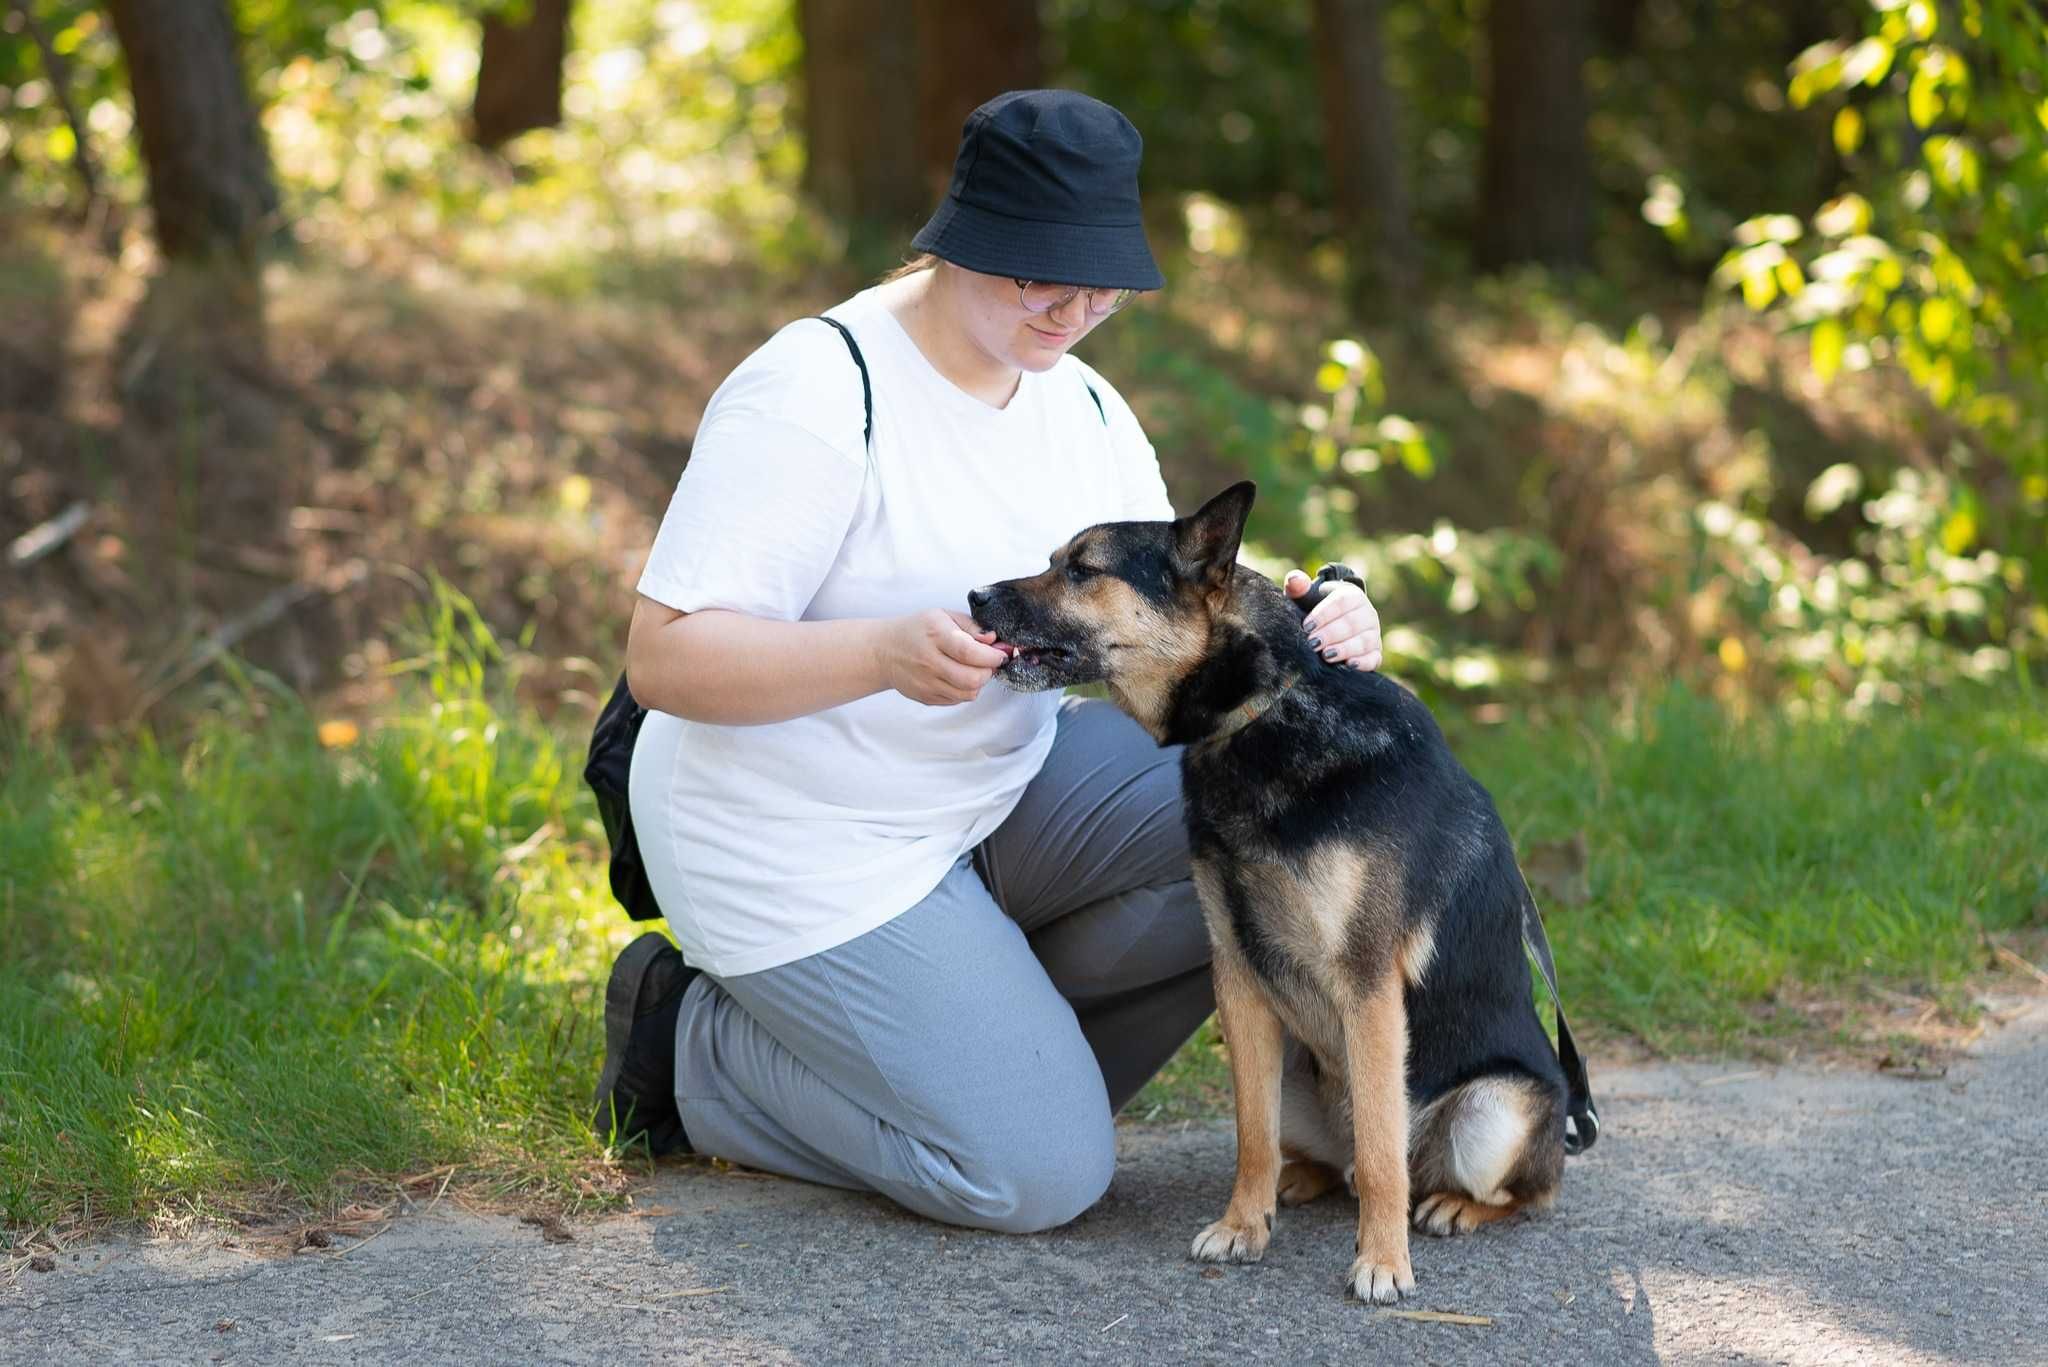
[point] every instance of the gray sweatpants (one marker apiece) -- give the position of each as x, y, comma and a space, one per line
965, 1058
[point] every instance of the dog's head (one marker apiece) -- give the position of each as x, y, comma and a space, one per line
1129, 604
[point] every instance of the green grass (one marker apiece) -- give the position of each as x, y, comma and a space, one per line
251, 971
246, 971
1737, 864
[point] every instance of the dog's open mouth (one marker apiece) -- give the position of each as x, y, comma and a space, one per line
1031, 655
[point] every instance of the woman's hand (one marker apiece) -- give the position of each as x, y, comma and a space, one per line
1345, 627
937, 657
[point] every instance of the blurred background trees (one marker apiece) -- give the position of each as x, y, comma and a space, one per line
1620, 338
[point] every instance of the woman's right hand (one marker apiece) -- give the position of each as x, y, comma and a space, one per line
937, 657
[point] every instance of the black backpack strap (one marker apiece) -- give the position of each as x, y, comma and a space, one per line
867, 393
1582, 1119
1100, 411
609, 773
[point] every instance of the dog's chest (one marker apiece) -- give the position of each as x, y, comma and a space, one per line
1295, 916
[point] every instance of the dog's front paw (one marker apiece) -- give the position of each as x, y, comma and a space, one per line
1231, 1241
1381, 1280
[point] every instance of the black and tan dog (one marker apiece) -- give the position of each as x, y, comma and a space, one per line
1361, 893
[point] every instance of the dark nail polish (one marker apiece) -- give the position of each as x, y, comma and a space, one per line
1330, 655
1315, 642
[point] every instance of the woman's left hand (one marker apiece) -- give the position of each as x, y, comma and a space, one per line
1345, 627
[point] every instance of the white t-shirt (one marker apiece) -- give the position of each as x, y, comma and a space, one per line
765, 844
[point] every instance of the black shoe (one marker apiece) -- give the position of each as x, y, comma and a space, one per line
636, 1092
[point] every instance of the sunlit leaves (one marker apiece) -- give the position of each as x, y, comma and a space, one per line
1769, 228
1815, 72
1828, 341
1348, 431
1843, 215
1665, 208
1937, 320
1923, 100
1954, 164
1959, 530
1867, 63
1848, 129
1832, 488
1937, 262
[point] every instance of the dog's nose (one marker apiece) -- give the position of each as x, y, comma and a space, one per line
977, 599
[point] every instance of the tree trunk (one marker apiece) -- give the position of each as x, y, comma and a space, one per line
860, 115
519, 71
1618, 24
210, 188
1361, 139
1537, 187
966, 56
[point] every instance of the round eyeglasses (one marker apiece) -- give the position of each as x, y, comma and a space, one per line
1040, 296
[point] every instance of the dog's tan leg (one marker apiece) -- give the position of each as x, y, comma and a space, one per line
1252, 1033
1376, 1045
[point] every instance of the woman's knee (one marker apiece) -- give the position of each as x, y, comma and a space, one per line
1036, 1176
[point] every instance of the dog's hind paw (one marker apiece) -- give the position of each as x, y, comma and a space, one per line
1228, 1242
1303, 1180
1445, 1213
1381, 1281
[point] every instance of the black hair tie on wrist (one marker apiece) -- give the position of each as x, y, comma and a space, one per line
1329, 574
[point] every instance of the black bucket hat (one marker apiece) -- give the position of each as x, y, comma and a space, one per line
1045, 187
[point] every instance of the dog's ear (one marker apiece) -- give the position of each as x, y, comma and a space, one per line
1205, 542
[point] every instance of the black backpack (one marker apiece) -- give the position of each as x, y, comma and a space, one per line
618, 728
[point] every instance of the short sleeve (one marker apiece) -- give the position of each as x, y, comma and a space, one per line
772, 485
1143, 490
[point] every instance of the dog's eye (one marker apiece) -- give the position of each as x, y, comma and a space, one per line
1077, 571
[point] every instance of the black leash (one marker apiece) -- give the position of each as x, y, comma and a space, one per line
1582, 1119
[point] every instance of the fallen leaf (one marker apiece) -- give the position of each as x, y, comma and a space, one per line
551, 1228
1210, 1274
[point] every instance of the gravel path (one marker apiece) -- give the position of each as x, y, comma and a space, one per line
1728, 1214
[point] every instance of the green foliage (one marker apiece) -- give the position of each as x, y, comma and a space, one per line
673, 148
1914, 608
1934, 258
37, 146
